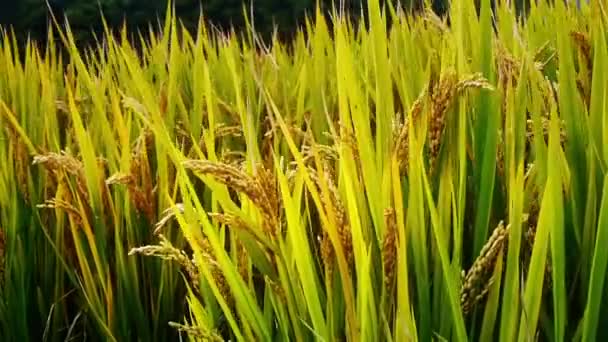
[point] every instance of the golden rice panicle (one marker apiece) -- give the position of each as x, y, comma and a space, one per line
261, 190
222, 130
73, 213
545, 122
347, 138
143, 203
508, 68
531, 216
389, 247
583, 42
167, 215
208, 255
530, 238
234, 158
230, 175
441, 96
216, 271
166, 251
477, 279
142, 190
473, 81
230, 220
402, 143
269, 200
58, 163
583, 83
333, 204
242, 260
236, 222
327, 153
197, 332
500, 154
327, 254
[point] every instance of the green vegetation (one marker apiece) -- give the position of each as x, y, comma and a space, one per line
426, 181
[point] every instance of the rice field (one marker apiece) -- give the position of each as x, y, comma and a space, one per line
433, 179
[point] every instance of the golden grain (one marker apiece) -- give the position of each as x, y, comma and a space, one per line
583, 42
334, 204
197, 332
216, 271
443, 94
71, 210
62, 163
261, 189
223, 130
243, 260
166, 251
402, 140
477, 279
389, 247
327, 254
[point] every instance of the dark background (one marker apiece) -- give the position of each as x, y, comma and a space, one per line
29, 18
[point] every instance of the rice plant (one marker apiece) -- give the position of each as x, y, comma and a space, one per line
438, 178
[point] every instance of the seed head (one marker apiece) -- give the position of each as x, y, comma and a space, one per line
166, 251
582, 41
327, 254
477, 279
402, 143
243, 260
443, 95
218, 275
500, 155
261, 190
72, 212
333, 204
228, 130
197, 332
389, 247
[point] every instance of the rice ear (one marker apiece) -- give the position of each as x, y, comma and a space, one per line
261, 189
389, 248
476, 280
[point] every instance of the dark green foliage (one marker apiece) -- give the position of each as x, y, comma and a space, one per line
30, 17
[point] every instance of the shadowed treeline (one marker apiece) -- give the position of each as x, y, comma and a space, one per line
30, 18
